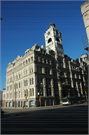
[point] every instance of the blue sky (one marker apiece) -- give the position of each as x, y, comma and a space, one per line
25, 22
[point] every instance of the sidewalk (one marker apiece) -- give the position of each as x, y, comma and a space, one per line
39, 106
11, 111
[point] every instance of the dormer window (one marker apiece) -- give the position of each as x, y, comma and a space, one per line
50, 39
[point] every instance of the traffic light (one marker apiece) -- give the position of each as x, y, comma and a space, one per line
39, 98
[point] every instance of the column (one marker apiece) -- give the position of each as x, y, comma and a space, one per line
52, 89
51, 71
81, 88
71, 83
77, 87
36, 92
44, 86
69, 65
64, 65
45, 102
43, 70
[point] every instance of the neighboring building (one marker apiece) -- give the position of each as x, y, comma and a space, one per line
46, 73
3, 97
0, 98
85, 14
84, 57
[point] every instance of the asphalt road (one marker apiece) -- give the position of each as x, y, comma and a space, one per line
54, 120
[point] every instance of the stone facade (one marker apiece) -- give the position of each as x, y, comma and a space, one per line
85, 14
46, 73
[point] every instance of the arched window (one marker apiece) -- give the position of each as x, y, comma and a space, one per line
26, 61
29, 60
50, 39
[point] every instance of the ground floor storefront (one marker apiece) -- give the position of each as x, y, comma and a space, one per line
31, 102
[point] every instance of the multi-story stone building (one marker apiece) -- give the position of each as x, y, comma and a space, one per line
85, 14
46, 73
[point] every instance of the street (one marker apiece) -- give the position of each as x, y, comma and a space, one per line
50, 120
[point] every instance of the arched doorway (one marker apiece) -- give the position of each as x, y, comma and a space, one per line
31, 103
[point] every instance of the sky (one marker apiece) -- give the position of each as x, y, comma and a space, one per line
25, 22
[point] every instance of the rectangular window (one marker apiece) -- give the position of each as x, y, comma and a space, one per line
10, 95
7, 87
47, 71
16, 77
7, 96
42, 60
30, 92
10, 87
26, 82
7, 80
19, 94
31, 58
11, 79
32, 70
39, 59
33, 91
16, 86
50, 62
26, 72
30, 81
46, 61
19, 85
19, 75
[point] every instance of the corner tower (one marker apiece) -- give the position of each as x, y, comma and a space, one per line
53, 40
